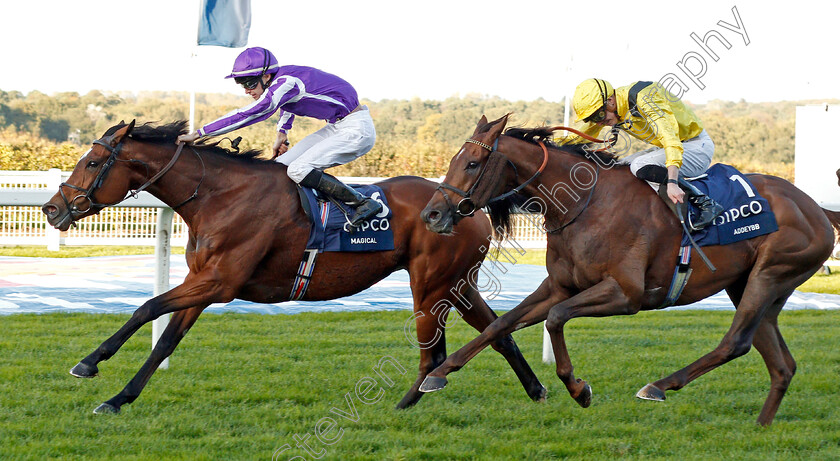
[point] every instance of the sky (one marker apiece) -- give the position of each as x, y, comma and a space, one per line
515, 50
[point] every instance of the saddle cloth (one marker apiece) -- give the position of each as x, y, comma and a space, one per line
331, 231
746, 214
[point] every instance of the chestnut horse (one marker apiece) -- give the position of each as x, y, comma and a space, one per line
612, 248
247, 234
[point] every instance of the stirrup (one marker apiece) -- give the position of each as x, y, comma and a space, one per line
710, 208
366, 210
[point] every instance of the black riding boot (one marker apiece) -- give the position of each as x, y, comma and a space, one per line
709, 209
366, 207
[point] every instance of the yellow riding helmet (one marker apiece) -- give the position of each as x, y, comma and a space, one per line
590, 96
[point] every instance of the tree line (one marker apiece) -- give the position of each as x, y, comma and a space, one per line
418, 137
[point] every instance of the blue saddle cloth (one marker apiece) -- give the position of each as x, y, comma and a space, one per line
330, 229
746, 214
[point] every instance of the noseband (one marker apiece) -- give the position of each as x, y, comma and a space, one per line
466, 206
87, 194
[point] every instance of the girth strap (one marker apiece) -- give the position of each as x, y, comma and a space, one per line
680, 279
304, 275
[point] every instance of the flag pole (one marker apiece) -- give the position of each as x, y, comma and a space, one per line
548, 351
163, 253
192, 90
192, 71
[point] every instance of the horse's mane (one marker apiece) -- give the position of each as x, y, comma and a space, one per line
501, 211
167, 134
544, 135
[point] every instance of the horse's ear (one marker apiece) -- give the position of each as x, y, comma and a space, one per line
121, 133
497, 129
481, 122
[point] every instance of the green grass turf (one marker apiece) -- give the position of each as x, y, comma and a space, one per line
32, 251
241, 386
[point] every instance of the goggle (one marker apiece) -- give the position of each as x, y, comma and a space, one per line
249, 83
600, 114
597, 116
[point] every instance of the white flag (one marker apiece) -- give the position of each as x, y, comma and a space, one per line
224, 23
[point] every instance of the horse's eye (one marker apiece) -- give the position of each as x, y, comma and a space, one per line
92, 164
472, 165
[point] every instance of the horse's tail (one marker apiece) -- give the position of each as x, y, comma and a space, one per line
834, 217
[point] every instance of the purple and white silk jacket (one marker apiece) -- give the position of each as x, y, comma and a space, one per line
295, 90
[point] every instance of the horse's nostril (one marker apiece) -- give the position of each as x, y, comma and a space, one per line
434, 216
49, 209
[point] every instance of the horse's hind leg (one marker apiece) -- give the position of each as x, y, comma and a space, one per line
770, 344
478, 314
175, 331
754, 306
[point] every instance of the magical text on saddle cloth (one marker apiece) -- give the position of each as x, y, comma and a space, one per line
746, 214
331, 231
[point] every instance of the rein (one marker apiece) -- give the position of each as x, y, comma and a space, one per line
586, 204
87, 194
609, 142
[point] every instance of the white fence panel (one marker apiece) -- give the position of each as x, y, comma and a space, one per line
23, 223
134, 221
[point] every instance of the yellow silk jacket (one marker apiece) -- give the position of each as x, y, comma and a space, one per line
659, 119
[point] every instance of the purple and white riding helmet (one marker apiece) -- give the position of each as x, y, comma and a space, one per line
254, 62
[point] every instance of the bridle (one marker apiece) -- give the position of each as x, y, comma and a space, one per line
87, 194
466, 206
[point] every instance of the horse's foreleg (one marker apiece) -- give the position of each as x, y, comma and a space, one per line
177, 328
197, 290
604, 299
479, 315
431, 340
533, 309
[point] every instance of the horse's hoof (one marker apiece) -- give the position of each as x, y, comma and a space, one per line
540, 397
432, 383
82, 370
106, 409
584, 399
651, 392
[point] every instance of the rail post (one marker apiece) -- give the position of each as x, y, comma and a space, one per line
53, 234
162, 254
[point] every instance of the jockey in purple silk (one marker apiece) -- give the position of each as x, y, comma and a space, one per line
307, 92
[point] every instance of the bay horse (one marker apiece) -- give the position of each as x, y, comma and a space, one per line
612, 249
247, 235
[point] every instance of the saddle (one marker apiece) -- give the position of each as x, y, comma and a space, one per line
330, 223
746, 213
330, 230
